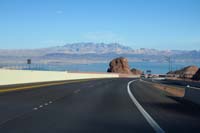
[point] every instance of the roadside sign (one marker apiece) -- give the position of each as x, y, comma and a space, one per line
28, 61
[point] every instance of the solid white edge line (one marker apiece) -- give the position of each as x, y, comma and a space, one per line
149, 119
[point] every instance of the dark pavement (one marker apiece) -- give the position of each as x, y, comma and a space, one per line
96, 106
172, 113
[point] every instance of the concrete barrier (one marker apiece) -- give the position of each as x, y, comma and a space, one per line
128, 76
8, 77
192, 94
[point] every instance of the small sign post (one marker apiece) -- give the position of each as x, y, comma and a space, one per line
29, 63
148, 73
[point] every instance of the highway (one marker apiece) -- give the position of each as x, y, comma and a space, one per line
120, 105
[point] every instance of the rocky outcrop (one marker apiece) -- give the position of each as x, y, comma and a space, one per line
119, 65
136, 71
197, 75
186, 72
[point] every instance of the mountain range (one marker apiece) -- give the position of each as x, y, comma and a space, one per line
81, 53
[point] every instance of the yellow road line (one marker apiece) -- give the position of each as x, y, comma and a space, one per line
37, 86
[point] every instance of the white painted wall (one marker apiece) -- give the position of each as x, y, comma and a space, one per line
8, 77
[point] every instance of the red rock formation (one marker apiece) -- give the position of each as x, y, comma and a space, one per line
197, 75
186, 72
136, 71
119, 65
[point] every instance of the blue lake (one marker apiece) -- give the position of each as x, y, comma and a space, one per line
159, 68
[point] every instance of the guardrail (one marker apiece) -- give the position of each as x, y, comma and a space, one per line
192, 94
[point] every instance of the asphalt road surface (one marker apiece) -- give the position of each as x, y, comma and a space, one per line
96, 106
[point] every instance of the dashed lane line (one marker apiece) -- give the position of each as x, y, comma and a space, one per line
35, 108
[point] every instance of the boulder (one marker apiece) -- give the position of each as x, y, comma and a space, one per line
119, 65
186, 72
136, 71
197, 75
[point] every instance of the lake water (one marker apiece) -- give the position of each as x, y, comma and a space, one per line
158, 68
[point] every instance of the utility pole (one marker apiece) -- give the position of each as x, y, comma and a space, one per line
168, 59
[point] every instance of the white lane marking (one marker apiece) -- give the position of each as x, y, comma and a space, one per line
77, 91
46, 104
35, 108
149, 119
40, 106
188, 86
50, 102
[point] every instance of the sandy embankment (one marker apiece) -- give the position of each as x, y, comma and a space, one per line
172, 90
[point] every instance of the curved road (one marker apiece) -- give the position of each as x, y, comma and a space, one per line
95, 106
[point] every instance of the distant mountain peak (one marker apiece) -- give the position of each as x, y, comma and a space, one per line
95, 53
89, 47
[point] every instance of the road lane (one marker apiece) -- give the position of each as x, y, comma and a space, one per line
94, 107
149, 119
171, 113
14, 104
103, 107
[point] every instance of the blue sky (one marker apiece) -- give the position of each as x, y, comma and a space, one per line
160, 24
